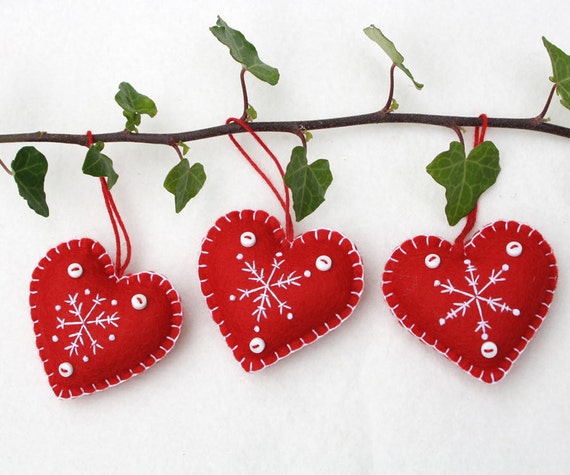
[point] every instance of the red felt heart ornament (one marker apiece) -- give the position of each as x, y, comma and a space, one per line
478, 304
93, 329
270, 296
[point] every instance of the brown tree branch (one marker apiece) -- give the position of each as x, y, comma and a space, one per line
293, 127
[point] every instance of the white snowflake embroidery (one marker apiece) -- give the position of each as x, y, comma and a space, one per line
270, 282
85, 315
478, 295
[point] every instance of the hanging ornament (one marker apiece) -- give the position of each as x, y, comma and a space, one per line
479, 302
95, 326
272, 293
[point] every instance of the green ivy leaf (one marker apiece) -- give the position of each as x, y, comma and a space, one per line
308, 135
244, 52
98, 164
560, 71
184, 182
308, 182
464, 179
251, 113
29, 169
184, 146
134, 105
390, 49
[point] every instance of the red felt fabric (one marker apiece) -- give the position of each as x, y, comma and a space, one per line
88, 321
483, 303
271, 299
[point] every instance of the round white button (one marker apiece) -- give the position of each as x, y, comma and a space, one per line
139, 302
65, 369
75, 270
257, 345
323, 263
514, 249
432, 261
248, 239
489, 349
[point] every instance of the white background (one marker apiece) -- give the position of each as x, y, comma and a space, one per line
368, 398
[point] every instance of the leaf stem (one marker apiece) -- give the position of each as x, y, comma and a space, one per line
6, 169
459, 133
244, 94
178, 151
300, 133
540, 117
387, 106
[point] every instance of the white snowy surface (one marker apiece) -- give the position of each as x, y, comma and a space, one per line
368, 398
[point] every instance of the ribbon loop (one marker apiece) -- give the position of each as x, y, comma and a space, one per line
472, 216
285, 200
119, 228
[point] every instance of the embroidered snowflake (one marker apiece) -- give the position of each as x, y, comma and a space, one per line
85, 316
477, 294
269, 284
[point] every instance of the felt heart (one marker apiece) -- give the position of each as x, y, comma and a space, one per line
93, 329
270, 296
479, 305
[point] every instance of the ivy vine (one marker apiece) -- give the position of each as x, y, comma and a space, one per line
465, 175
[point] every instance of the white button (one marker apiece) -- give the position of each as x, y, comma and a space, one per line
323, 263
432, 261
257, 345
248, 239
514, 249
75, 270
139, 302
489, 349
65, 369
